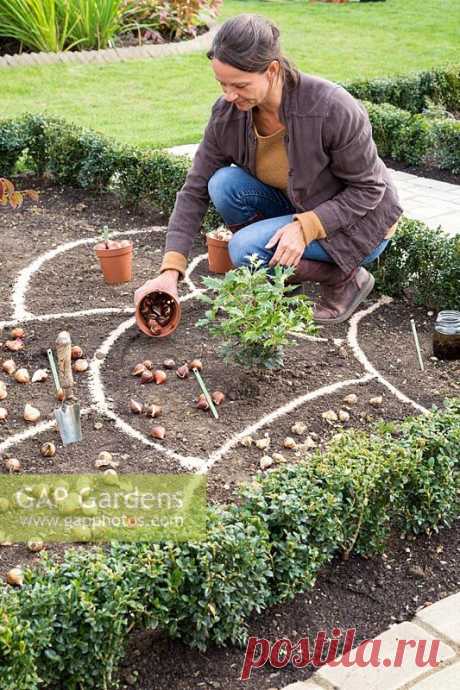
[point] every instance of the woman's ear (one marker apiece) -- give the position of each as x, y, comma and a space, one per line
273, 71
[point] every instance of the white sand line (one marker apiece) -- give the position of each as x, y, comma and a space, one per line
313, 338
283, 410
32, 431
67, 315
352, 338
22, 282
190, 268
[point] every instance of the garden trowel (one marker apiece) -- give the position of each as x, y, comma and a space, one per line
68, 414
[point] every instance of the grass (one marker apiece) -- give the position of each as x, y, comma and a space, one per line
157, 103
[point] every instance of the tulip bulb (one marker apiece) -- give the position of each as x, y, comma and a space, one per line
138, 370
202, 403
80, 365
9, 366
39, 376
135, 406
48, 449
18, 333
22, 375
218, 397
148, 364
146, 376
158, 432
152, 410
14, 345
169, 364
159, 376
76, 352
31, 413
35, 545
12, 465
3, 391
15, 576
3, 414
196, 364
183, 371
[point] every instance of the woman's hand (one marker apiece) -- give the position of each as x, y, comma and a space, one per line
291, 245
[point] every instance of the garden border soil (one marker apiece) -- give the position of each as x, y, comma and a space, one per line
69, 213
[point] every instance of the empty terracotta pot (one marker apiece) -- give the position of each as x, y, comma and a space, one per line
116, 261
218, 256
157, 313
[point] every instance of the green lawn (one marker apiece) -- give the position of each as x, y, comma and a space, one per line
165, 102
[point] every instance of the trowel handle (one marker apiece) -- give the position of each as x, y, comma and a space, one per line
54, 370
63, 348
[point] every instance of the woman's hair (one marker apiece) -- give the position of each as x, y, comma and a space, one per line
250, 43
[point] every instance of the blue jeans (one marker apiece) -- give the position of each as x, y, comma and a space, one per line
241, 198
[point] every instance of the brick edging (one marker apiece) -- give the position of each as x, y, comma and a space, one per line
111, 54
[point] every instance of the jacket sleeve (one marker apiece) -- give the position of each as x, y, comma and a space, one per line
354, 160
192, 201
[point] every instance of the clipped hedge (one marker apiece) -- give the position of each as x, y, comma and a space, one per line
415, 139
68, 625
422, 264
397, 108
410, 92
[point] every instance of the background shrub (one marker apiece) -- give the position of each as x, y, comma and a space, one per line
410, 92
421, 263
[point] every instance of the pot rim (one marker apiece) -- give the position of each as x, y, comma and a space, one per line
213, 241
117, 251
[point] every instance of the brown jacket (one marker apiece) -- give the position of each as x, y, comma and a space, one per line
334, 169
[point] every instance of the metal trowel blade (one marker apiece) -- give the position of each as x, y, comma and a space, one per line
69, 424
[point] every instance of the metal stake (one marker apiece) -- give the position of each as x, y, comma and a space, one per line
205, 393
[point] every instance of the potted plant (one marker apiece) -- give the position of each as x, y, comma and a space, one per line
218, 256
115, 258
252, 313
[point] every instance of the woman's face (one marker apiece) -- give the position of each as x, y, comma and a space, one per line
244, 89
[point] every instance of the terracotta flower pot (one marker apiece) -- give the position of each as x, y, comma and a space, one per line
157, 313
218, 256
116, 261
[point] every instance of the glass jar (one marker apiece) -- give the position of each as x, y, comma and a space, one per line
446, 335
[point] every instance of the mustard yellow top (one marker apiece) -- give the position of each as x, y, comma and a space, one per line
272, 168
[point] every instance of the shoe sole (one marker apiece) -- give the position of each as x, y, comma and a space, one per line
360, 297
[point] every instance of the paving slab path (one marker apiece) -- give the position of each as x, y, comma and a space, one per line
434, 202
438, 623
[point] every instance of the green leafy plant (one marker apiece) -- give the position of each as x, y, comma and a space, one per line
172, 19
253, 313
56, 25
42, 25
105, 235
423, 264
412, 92
94, 23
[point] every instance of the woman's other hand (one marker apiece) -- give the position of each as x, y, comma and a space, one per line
291, 245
